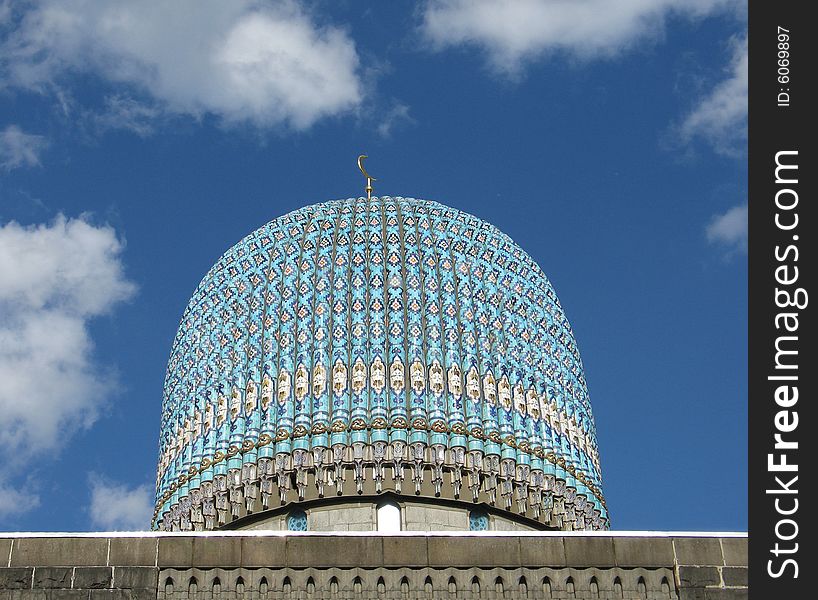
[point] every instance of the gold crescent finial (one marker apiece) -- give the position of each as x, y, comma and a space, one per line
369, 178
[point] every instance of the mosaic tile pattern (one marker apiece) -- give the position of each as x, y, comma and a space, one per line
362, 333
478, 520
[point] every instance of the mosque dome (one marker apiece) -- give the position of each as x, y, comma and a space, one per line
369, 350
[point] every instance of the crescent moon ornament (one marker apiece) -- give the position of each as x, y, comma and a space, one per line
369, 178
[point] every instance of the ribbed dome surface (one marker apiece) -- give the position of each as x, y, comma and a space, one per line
390, 331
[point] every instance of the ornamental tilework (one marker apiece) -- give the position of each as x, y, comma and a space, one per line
356, 334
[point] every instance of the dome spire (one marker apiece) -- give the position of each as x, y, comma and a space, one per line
369, 178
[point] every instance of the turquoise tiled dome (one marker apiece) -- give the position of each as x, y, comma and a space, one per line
395, 339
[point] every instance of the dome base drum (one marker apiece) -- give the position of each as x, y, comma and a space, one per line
301, 476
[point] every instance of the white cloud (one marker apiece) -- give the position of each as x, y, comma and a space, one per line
5, 11
398, 114
20, 149
729, 229
721, 117
117, 507
17, 500
264, 63
122, 112
53, 280
513, 32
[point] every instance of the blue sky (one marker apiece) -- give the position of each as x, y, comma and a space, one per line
139, 140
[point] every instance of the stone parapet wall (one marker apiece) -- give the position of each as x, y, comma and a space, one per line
400, 583
241, 566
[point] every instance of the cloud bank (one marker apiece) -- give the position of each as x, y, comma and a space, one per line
729, 229
117, 507
243, 61
720, 118
54, 279
514, 32
20, 149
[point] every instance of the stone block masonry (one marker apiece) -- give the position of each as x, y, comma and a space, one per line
273, 566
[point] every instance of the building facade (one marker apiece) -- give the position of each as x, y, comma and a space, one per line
375, 398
